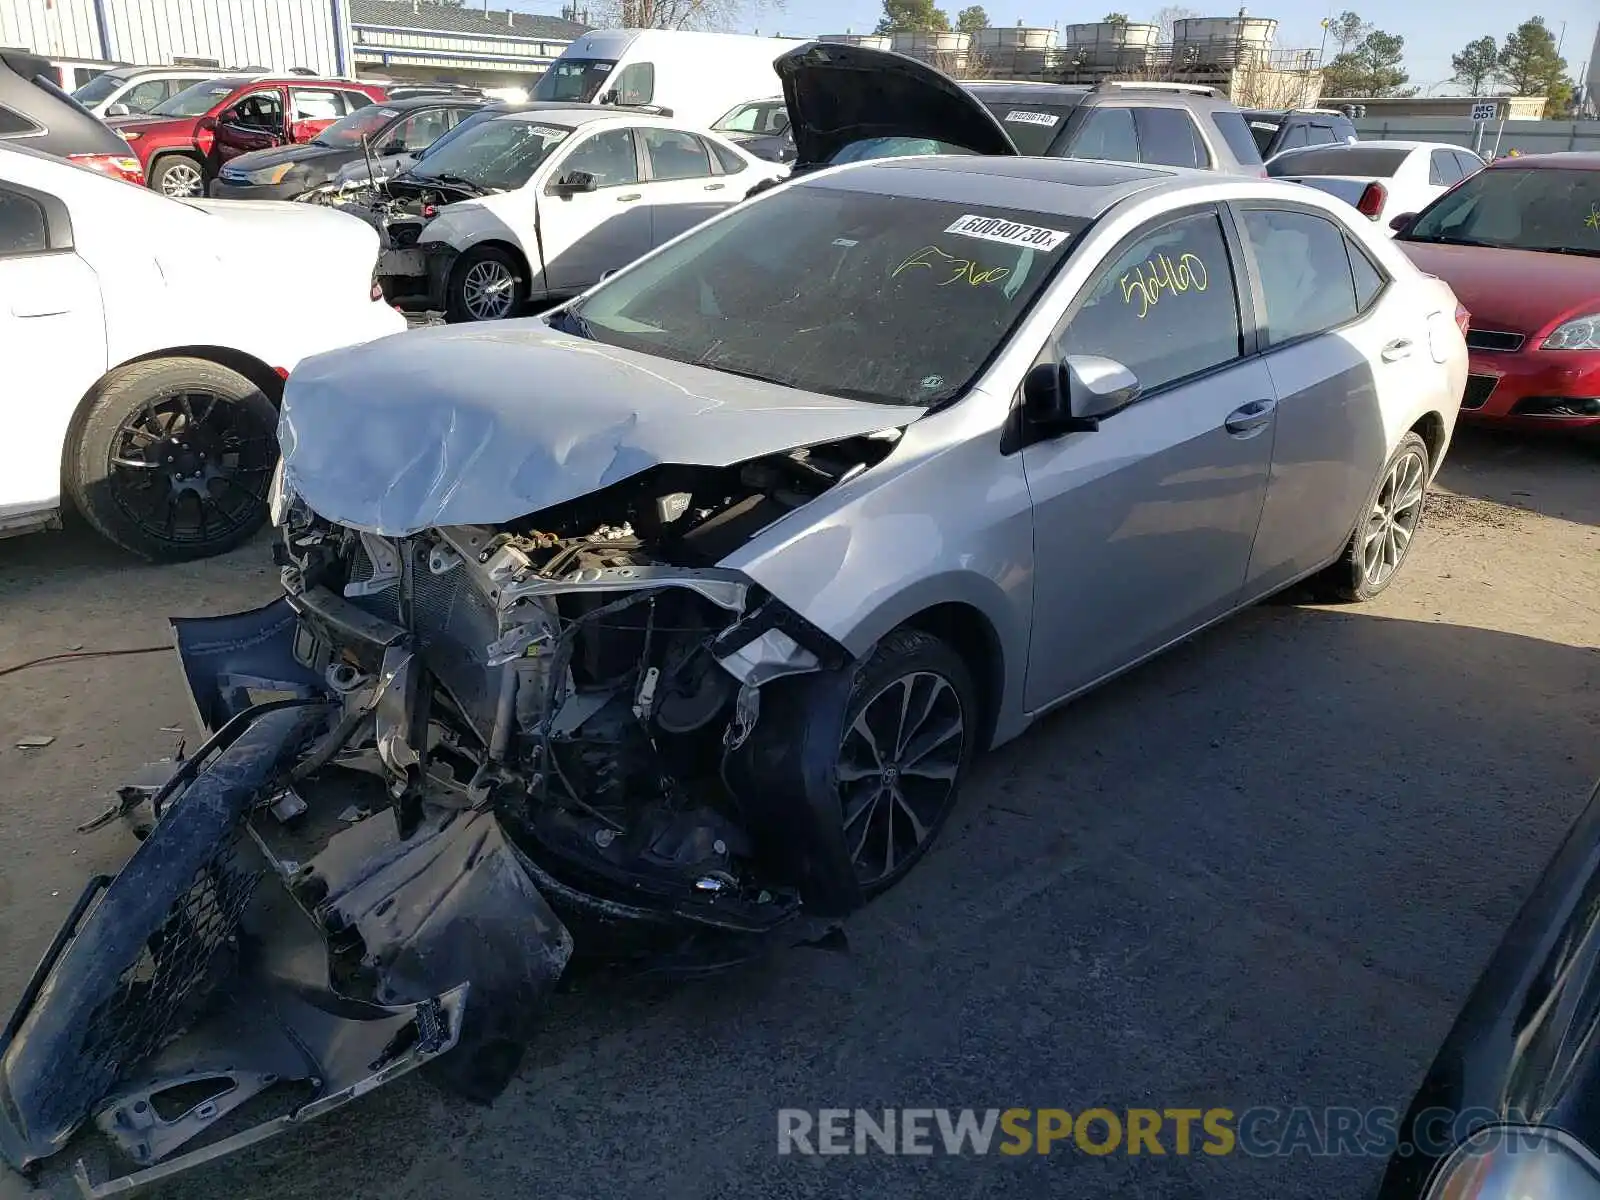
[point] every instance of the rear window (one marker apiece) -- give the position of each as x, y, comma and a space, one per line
1365, 161
1236, 133
1033, 127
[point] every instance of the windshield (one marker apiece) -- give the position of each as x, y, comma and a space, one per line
573, 79
364, 123
97, 89
192, 101
762, 116
883, 298
496, 156
1556, 211
1365, 161
1033, 127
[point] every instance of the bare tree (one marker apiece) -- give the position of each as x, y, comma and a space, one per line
1264, 87
1169, 16
675, 14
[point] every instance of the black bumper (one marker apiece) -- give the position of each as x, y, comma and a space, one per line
429, 291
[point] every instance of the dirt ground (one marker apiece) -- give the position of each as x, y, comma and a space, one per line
1265, 869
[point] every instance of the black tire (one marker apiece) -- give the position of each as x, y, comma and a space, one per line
169, 169
209, 437
459, 303
1351, 579
876, 829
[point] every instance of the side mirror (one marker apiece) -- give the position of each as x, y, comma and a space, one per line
118, 110
573, 182
1403, 222
1074, 396
609, 96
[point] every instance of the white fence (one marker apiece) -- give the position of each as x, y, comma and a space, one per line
1526, 137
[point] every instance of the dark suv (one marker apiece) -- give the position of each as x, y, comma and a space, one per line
1277, 130
1168, 124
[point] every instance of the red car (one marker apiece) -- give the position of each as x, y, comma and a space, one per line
184, 140
1519, 242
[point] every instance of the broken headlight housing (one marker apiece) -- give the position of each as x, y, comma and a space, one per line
281, 497
1504, 1163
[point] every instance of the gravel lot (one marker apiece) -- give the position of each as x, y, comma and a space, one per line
1265, 869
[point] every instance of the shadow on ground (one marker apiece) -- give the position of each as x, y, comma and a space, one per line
1555, 474
1264, 870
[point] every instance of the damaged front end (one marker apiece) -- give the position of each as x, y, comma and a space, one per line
440, 766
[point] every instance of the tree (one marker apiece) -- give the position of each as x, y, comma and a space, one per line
912, 16
971, 19
673, 14
1372, 68
1477, 67
1530, 65
1115, 18
1347, 30
1169, 16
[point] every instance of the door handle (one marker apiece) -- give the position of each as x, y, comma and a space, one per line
1397, 349
715, 187
1250, 419
629, 198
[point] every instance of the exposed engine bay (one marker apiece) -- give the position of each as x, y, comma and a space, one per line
439, 769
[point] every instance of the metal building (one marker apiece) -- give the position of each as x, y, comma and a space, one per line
414, 40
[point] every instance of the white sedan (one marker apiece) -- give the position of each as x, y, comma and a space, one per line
543, 202
145, 343
1382, 180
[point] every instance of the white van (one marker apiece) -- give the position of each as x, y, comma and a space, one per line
698, 76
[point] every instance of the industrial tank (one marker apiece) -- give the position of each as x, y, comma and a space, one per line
1222, 42
1111, 45
946, 51
872, 41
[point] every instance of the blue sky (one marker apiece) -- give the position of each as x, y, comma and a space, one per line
1433, 29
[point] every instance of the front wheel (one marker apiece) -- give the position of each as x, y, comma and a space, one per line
178, 176
173, 458
487, 284
909, 733
1388, 526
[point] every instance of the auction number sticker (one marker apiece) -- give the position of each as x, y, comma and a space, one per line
1009, 233
550, 133
1021, 117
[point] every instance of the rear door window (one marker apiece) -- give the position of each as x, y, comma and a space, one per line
1239, 136
142, 97
1306, 279
1295, 136
1443, 168
1470, 164
675, 155
730, 162
1169, 138
317, 105
1107, 133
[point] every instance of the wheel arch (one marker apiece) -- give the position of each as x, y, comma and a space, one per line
1430, 427
969, 632
161, 156
499, 243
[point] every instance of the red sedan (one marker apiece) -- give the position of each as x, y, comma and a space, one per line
1519, 243
183, 141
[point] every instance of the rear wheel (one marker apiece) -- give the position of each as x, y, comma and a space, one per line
173, 458
1388, 525
179, 176
487, 284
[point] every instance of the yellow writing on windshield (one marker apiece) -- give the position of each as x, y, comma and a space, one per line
1593, 219
1145, 284
958, 269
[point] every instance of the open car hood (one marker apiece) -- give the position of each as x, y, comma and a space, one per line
839, 94
478, 426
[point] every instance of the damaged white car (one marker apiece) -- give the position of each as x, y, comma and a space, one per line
664, 628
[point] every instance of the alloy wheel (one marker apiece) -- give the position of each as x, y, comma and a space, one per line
1393, 520
897, 770
181, 179
191, 467
488, 290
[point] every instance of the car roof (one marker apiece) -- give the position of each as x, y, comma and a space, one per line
1377, 144
1035, 91
576, 114
134, 72
1061, 186
432, 100
1566, 160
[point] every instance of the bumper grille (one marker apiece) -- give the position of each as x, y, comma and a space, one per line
1494, 339
1479, 389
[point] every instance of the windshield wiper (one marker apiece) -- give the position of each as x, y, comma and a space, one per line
457, 181
1581, 253
568, 321
1458, 241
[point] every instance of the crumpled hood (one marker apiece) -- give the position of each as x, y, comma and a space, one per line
483, 424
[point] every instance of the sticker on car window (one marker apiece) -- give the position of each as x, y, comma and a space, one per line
1145, 284
388, 112
1018, 116
551, 132
1009, 233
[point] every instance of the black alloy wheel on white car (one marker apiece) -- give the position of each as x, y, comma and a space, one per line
486, 284
1388, 526
909, 734
178, 176
173, 458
